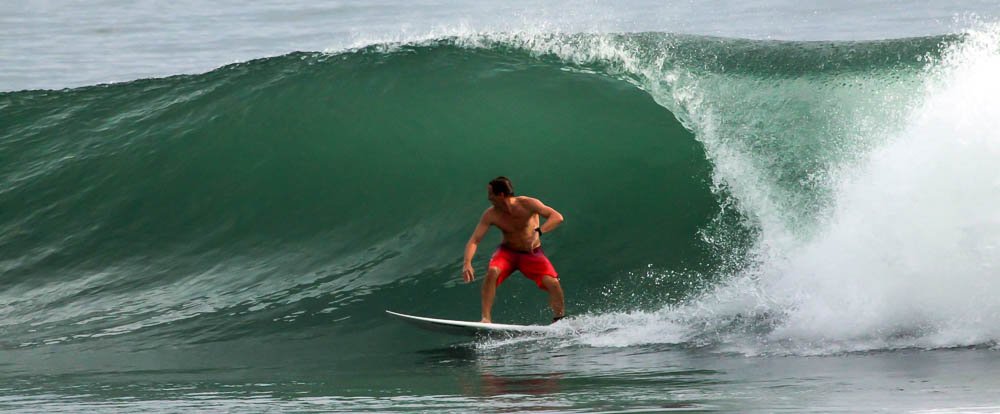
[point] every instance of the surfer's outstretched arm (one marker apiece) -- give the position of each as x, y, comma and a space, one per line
470, 248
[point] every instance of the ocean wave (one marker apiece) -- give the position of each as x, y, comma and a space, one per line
709, 183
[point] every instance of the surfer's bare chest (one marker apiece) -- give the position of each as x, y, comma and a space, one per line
519, 223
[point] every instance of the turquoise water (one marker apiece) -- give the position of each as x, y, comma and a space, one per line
752, 225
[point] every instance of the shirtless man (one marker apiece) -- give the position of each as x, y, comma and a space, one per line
518, 219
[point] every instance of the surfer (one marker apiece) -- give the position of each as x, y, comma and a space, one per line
518, 219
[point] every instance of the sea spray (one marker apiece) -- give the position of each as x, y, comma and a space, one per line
909, 251
889, 242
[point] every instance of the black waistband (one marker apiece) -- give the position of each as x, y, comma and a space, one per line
511, 249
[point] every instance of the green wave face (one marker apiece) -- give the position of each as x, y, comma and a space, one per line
307, 192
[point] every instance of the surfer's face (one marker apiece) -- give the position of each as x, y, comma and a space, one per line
496, 199
490, 196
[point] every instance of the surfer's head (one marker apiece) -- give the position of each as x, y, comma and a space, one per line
500, 188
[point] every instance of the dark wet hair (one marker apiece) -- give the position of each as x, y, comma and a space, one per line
502, 186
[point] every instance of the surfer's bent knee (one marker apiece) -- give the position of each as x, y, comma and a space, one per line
493, 272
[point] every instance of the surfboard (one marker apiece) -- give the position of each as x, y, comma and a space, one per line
471, 328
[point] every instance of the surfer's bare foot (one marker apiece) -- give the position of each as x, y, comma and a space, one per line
486, 320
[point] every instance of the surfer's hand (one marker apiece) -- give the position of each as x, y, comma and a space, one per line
468, 274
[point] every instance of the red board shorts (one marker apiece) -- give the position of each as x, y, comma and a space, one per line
534, 265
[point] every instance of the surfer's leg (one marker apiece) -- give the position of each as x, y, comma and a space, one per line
556, 301
538, 268
489, 292
501, 265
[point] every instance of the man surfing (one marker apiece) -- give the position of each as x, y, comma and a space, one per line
519, 220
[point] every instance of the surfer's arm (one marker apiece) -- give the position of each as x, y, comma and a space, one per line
552, 217
470, 248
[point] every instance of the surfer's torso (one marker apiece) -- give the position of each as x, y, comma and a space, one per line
517, 223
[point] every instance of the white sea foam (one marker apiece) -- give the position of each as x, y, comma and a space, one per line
905, 255
909, 250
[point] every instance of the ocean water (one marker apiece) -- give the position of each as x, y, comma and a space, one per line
770, 206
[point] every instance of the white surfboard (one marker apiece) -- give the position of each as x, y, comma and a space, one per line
471, 328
